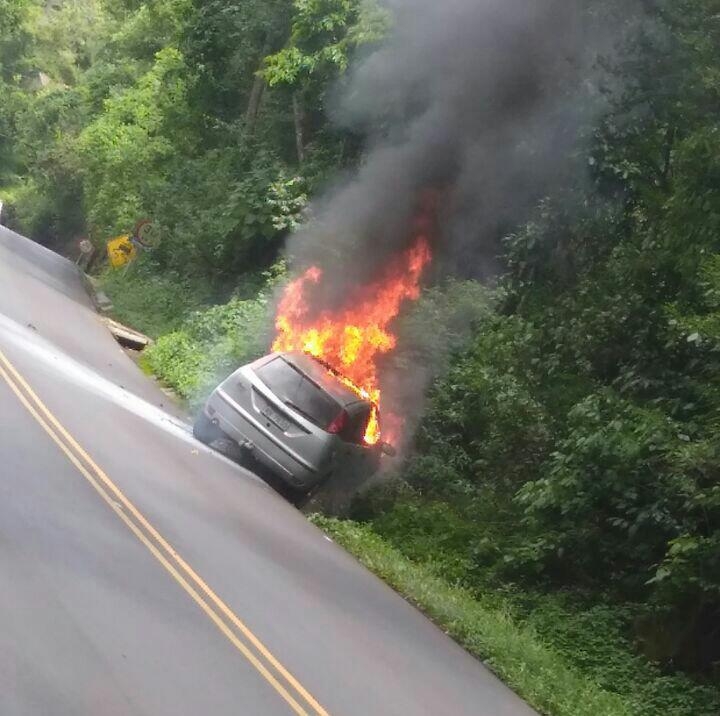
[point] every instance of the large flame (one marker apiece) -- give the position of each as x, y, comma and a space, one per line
351, 338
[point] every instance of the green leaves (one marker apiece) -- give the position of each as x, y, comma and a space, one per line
608, 490
578, 430
126, 151
212, 343
325, 34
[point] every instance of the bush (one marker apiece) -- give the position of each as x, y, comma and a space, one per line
563, 655
608, 501
152, 302
484, 421
214, 342
594, 638
224, 212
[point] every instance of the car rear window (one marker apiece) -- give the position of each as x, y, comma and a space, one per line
298, 392
320, 375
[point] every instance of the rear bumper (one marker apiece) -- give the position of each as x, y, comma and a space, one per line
252, 436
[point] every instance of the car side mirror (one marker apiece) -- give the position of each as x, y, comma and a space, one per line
388, 449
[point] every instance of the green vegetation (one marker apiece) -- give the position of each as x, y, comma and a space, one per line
532, 643
211, 343
154, 302
559, 508
119, 110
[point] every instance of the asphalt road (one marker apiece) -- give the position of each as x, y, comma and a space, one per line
140, 573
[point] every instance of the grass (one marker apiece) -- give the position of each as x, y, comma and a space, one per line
152, 303
553, 680
201, 337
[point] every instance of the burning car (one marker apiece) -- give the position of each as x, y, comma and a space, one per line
297, 418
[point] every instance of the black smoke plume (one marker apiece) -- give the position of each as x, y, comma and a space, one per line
481, 101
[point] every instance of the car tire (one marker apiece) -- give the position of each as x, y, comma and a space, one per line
297, 498
294, 495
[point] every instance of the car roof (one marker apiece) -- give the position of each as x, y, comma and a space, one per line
322, 375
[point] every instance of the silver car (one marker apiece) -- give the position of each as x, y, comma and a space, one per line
296, 419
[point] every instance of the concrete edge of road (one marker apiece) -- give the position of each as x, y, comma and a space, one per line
100, 300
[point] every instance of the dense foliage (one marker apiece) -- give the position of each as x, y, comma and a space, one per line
569, 455
120, 110
574, 443
562, 660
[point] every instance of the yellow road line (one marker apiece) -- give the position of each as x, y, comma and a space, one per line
107, 488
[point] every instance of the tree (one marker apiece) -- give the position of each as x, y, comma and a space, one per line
325, 35
13, 52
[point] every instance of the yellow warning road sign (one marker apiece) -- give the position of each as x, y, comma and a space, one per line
121, 251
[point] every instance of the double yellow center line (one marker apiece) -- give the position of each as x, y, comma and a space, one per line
242, 638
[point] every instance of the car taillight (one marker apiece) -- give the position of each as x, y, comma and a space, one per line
338, 423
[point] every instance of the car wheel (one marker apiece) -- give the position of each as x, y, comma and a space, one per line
295, 497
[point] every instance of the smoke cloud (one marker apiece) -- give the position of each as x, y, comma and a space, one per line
480, 100
484, 104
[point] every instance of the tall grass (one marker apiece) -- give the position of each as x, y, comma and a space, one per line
549, 681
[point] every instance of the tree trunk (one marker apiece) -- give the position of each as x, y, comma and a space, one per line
254, 103
299, 116
256, 93
667, 156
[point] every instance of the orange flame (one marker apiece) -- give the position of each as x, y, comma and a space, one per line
353, 337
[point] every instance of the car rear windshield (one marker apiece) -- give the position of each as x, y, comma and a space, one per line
298, 392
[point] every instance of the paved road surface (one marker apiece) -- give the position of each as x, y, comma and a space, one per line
143, 574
